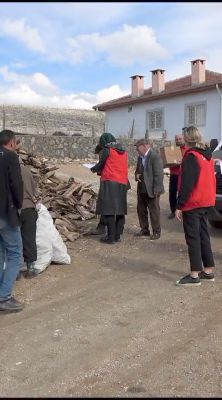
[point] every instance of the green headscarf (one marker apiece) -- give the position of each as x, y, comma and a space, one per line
106, 138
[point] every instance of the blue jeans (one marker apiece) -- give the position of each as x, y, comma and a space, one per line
10, 257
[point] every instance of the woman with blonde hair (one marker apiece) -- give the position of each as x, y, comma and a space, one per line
197, 193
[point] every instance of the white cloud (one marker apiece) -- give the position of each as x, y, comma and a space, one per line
21, 31
43, 81
110, 93
37, 89
131, 45
37, 81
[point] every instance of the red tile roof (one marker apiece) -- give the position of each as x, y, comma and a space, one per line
175, 87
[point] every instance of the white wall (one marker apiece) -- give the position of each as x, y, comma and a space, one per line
119, 121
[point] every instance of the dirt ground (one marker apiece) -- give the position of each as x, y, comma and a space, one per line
113, 323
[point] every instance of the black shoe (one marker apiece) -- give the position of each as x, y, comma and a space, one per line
142, 233
19, 276
118, 239
10, 305
107, 240
207, 277
188, 281
155, 236
31, 273
171, 216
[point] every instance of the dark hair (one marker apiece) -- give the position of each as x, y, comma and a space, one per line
6, 136
141, 141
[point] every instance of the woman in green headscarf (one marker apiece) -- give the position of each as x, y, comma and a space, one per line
112, 198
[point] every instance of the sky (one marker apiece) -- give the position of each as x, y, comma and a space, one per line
77, 55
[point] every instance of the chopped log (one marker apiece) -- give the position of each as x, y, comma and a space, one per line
73, 188
63, 222
84, 187
71, 236
67, 200
85, 198
49, 174
36, 163
84, 213
52, 168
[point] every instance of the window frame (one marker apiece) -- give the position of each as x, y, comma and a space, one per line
161, 110
195, 104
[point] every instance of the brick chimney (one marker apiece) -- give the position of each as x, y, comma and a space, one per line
158, 81
137, 85
198, 75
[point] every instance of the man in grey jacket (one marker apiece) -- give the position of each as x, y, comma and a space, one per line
149, 175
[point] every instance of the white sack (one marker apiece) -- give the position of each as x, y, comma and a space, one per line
50, 246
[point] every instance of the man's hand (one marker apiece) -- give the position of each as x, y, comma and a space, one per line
179, 215
138, 176
38, 206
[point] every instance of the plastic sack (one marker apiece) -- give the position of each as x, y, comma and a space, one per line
50, 246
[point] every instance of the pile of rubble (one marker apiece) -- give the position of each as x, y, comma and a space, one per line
66, 200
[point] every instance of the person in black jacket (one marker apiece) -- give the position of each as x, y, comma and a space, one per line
112, 198
11, 189
197, 195
101, 227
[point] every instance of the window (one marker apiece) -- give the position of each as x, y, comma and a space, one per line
155, 120
195, 114
130, 108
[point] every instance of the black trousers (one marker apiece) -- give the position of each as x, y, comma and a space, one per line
145, 203
173, 189
28, 231
115, 225
198, 238
102, 222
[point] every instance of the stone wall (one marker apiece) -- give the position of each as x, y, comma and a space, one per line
46, 121
60, 147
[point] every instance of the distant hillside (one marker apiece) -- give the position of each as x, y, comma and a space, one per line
46, 121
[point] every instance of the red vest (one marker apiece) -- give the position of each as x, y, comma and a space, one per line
116, 167
204, 192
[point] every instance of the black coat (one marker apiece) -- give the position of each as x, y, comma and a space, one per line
112, 198
11, 186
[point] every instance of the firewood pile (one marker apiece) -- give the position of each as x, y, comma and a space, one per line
66, 200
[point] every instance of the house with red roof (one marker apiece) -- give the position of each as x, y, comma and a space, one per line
162, 110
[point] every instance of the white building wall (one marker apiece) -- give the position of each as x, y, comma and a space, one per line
119, 121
